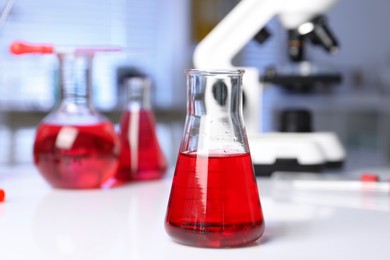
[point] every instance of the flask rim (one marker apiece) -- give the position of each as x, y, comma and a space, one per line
214, 72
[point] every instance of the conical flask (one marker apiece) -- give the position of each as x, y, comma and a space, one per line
214, 199
141, 157
76, 147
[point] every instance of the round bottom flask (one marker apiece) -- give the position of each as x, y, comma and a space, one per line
214, 199
75, 147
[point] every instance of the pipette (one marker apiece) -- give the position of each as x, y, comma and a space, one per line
368, 193
367, 182
19, 48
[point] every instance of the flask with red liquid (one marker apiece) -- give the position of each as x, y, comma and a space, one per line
75, 146
141, 157
214, 199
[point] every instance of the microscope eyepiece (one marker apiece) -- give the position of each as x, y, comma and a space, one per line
322, 35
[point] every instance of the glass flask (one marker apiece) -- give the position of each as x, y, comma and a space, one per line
141, 157
75, 147
214, 199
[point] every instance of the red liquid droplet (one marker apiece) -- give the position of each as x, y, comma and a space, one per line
141, 156
214, 202
2, 195
76, 157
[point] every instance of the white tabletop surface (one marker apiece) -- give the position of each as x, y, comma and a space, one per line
38, 222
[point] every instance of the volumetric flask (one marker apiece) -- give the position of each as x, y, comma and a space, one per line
75, 147
214, 199
141, 157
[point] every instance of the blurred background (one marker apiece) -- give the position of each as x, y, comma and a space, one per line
161, 37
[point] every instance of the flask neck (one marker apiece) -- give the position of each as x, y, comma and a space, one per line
214, 123
214, 95
138, 93
75, 79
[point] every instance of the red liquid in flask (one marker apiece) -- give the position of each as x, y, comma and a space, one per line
141, 157
76, 157
214, 201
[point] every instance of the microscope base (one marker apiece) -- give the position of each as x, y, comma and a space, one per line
290, 165
295, 152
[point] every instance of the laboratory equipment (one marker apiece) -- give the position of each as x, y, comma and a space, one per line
141, 157
19, 47
246, 22
214, 199
296, 147
75, 146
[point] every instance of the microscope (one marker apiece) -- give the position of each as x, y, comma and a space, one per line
297, 149
301, 76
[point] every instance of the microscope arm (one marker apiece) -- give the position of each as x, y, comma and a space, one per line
219, 47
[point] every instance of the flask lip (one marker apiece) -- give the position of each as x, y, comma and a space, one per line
214, 72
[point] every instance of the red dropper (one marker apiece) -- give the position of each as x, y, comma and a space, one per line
19, 48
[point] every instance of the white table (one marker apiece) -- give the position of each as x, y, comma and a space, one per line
38, 222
